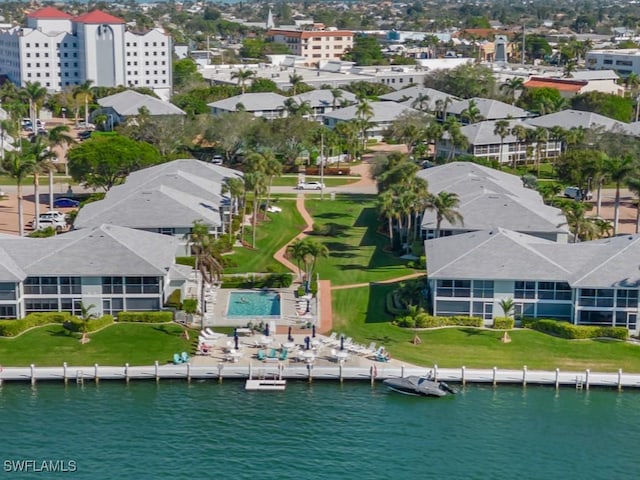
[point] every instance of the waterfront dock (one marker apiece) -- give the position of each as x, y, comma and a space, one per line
374, 373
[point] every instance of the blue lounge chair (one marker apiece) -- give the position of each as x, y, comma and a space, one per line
284, 355
272, 353
261, 356
185, 357
177, 358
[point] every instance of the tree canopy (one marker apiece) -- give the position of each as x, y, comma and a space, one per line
465, 81
105, 160
609, 105
365, 51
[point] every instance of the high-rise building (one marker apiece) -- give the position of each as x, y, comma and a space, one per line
61, 51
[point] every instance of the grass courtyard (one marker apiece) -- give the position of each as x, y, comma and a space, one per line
117, 344
356, 251
360, 313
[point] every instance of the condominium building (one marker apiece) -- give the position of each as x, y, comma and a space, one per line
60, 51
314, 45
624, 61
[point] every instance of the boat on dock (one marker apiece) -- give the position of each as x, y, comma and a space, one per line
265, 384
419, 386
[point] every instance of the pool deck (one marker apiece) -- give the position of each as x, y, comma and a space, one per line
217, 305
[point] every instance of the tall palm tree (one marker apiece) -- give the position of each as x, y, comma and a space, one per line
295, 80
540, 136
242, 76
501, 128
313, 250
522, 134
255, 182
619, 169
297, 250
633, 184
387, 207
205, 248
234, 186
456, 137
445, 205
19, 165
471, 114
43, 163
581, 227
421, 102
86, 315
336, 94
82, 96
35, 94
272, 169
57, 137
511, 87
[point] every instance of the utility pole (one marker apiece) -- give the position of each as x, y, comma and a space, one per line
524, 34
322, 166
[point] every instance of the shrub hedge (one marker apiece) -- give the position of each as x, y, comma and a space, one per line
503, 323
11, 328
273, 280
424, 320
190, 305
392, 306
574, 332
145, 317
174, 300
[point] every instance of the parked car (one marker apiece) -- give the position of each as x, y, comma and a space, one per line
310, 186
217, 159
86, 126
46, 223
84, 135
51, 218
53, 214
274, 209
576, 193
64, 202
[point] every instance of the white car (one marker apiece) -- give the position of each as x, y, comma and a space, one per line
310, 186
274, 209
217, 160
52, 218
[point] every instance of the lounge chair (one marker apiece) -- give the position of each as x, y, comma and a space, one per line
177, 359
273, 353
185, 357
261, 355
284, 354
330, 339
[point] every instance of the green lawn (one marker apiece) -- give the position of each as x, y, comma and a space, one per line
356, 253
136, 344
360, 313
292, 181
271, 235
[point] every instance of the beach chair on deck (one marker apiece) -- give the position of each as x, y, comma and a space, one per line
177, 359
185, 357
284, 355
261, 355
330, 339
273, 353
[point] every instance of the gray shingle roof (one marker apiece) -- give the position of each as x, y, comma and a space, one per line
252, 102
501, 254
128, 103
595, 75
490, 198
97, 251
482, 133
382, 112
568, 119
169, 195
406, 96
323, 98
489, 109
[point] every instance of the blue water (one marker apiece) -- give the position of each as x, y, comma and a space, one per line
253, 304
326, 430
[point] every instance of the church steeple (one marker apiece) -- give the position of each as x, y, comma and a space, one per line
270, 22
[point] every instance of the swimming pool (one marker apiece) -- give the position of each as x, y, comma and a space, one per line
253, 304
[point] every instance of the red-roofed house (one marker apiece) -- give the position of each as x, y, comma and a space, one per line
570, 87
61, 51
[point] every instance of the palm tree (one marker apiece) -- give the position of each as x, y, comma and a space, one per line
387, 208
313, 250
83, 96
42, 156
58, 137
336, 94
242, 76
539, 136
234, 186
507, 305
205, 248
511, 87
297, 250
522, 134
18, 166
421, 102
619, 170
255, 182
35, 95
472, 113
86, 315
295, 80
633, 184
501, 128
456, 137
445, 205
581, 227
272, 169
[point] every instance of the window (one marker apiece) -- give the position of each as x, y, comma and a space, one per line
40, 286
454, 288
483, 288
588, 317
7, 291
624, 63
143, 304
554, 291
41, 305
112, 285
627, 298
7, 311
70, 285
70, 305
596, 297
449, 308
525, 290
